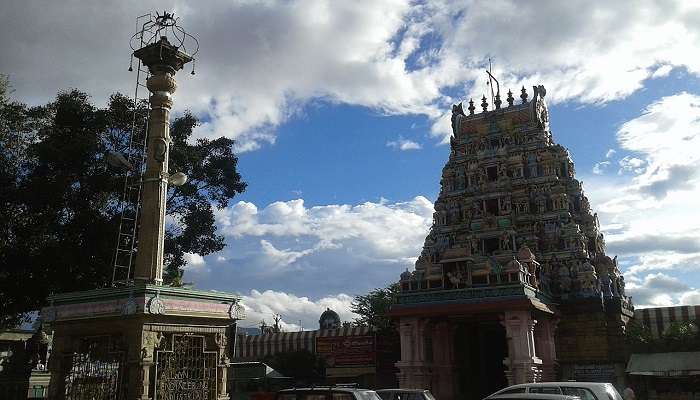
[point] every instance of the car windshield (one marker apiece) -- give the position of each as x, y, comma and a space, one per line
612, 392
368, 395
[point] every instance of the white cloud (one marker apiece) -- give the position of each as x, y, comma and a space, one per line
377, 230
320, 250
662, 71
261, 61
649, 212
631, 164
660, 290
194, 261
600, 167
293, 309
403, 144
610, 153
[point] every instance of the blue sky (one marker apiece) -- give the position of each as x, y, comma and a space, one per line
341, 110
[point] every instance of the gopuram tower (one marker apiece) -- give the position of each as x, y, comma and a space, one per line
513, 284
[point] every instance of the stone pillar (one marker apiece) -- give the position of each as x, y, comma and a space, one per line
150, 341
149, 258
544, 343
222, 344
413, 372
523, 365
443, 363
59, 363
163, 61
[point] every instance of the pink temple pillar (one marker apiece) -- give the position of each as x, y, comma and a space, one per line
443, 385
522, 363
546, 350
413, 373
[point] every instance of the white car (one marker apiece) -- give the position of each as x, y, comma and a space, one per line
405, 394
327, 393
582, 390
531, 396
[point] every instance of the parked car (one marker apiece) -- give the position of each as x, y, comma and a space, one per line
405, 394
531, 396
327, 393
582, 390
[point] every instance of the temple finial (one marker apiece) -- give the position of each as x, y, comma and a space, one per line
498, 101
471, 107
510, 98
484, 104
523, 94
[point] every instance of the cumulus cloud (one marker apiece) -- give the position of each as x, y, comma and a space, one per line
403, 144
316, 250
648, 212
194, 261
296, 312
381, 230
260, 62
600, 167
658, 290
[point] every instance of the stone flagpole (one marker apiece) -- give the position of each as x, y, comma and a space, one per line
163, 61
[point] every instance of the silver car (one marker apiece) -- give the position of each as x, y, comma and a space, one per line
405, 394
582, 390
327, 393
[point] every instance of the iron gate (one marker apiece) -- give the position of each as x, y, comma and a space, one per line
97, 370
185, 370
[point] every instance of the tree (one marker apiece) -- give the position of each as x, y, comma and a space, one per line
373, 307
678, 336
59, 202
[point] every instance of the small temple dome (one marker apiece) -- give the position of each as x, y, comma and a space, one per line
329, 320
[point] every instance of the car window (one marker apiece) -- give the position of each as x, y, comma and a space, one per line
314, 396
385, 395
582, 393
544, 390
368, 395
514, 390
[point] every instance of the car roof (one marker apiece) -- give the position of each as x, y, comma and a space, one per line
540, 396
401, 390
562, 383
325, 389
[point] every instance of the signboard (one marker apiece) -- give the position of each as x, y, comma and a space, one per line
594, 373
346, 351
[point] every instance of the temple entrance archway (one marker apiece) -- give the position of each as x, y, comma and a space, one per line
479, 348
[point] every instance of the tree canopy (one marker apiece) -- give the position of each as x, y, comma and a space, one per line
59, 201
373, 307
678, 336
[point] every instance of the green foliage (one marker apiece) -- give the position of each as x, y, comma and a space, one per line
59, 200
679, 336
373, 307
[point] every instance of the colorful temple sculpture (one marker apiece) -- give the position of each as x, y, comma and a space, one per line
513, 284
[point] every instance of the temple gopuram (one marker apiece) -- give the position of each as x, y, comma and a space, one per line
513, 284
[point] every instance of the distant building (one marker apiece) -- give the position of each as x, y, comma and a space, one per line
351, 353
665, 369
